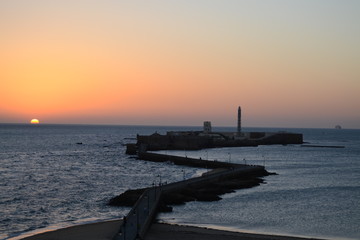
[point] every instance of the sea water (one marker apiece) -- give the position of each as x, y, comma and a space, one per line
54, 176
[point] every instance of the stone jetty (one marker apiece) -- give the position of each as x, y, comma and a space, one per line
209, 187
146, 202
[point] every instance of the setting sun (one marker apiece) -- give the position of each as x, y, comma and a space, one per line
78, 70
34, 121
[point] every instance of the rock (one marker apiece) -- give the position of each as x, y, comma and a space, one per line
177, 198
207, 197
127, 199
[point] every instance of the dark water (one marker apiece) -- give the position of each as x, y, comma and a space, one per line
49, 180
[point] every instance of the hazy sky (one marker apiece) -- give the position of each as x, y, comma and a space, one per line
286, 63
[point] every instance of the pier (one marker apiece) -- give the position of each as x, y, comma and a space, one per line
146, 202
191, 162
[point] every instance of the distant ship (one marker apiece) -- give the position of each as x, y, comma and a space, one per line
338, 127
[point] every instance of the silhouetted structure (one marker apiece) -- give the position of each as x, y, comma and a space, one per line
239, 122
207, 127
194, 140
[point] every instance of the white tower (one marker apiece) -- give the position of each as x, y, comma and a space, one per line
207, 127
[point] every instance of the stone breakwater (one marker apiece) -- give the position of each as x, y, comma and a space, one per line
186, 161
146, 202
224, 178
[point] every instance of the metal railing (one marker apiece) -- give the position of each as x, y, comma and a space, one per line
138, 220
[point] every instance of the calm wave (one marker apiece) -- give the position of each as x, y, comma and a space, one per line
60, 175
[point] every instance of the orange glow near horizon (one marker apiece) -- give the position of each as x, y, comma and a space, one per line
167, 69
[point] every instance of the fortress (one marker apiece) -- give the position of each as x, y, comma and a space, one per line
195, 140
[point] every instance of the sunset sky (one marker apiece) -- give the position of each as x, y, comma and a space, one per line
286, 63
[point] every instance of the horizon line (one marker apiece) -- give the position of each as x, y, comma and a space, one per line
166, 125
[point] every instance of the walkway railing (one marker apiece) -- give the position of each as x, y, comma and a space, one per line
138, 220
140, 217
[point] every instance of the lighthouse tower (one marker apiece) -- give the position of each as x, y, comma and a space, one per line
239, 122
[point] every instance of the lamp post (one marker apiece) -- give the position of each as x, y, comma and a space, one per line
159, 179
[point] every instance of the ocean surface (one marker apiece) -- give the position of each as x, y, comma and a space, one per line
54, 176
